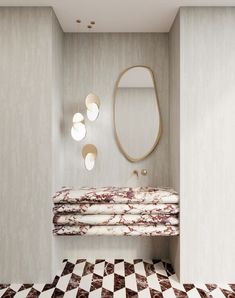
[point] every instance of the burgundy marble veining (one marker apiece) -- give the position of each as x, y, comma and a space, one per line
180, 294
129, 268
155, 294
127, 219
116, 209
74, 282
88, 269
68, 268
106, 293
82, 293
148, 278
204, 294
141, 281
96, 283
119, 282
149, 268
211, 287
165, 284
117, 195
156, 230
188, 287
108, 268
131, 294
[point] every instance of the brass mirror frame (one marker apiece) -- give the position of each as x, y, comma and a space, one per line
158, 136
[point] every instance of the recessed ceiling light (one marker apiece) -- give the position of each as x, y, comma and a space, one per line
78, 21
92, 22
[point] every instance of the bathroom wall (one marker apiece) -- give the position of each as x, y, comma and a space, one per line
207, 144
28, 94
92, 63
57, 140
58, 105
174, 135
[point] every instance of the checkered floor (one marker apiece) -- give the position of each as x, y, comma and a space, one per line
117, 279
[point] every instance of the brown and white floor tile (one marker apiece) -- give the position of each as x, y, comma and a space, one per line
117, 279
131, 284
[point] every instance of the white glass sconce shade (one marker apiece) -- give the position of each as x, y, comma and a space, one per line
78, 130
92, 104
89, 153
78, 117
90, 161
78, 134
92, 111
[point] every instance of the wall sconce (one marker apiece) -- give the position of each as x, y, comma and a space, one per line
78, 130
93, 104
89, 153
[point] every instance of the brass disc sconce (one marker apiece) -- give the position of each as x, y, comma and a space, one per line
89, 153
78, 130
93, 105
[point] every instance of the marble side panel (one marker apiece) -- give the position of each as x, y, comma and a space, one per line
116, 195
157, 230
127, 219
116, 209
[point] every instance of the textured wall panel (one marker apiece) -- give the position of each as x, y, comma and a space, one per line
207, 143
174, 142
29, 95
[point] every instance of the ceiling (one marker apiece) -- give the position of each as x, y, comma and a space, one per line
117, 15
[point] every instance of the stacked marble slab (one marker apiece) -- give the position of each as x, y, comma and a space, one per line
140, 211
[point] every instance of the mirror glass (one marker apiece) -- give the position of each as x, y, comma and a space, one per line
137, 118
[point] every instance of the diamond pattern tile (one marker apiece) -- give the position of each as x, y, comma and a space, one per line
117, 278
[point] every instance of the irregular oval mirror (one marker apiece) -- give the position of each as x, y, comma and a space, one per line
137, 119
